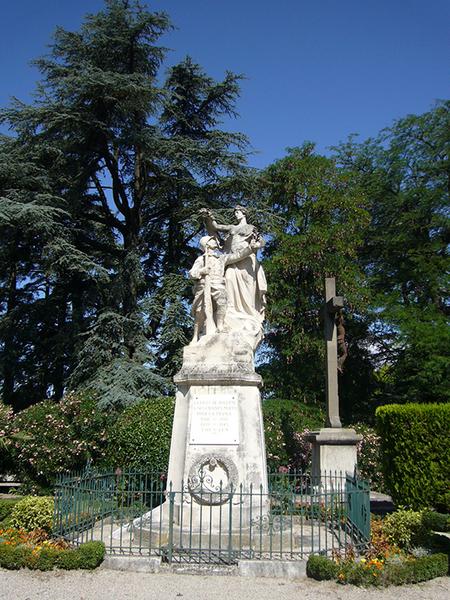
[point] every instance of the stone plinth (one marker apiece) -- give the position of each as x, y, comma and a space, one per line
217, 466
333, 450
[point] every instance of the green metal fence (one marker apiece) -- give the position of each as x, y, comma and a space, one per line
136, 512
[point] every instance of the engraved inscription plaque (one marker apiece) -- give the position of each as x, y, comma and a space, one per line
214, 420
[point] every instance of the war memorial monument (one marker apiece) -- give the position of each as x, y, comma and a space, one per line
217, 478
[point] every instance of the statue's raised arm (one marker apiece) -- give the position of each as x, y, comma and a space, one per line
211, 225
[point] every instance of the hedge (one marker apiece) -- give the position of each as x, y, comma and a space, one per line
417, 570
434, 521
140, 439
415, 448
408, 570
87, 556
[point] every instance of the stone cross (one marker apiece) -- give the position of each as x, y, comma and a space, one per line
333, 304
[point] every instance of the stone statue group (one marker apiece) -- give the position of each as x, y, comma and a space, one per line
229, 282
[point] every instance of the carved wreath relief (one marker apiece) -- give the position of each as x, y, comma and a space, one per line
212, 479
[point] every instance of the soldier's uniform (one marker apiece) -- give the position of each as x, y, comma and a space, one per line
217, 263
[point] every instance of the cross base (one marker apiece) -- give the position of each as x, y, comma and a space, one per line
334, 450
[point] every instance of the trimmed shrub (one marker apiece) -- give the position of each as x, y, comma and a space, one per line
61, 437
91, 554
69, 560
376, 572
415, 448
285, 424
45, 559
14, 557
87, 556
33, 512
415, 570
140, 438
321, 568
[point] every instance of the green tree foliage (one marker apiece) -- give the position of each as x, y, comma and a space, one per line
322, 216
405, 173
115, 164
43, 265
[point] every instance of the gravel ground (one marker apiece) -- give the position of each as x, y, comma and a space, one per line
115, 585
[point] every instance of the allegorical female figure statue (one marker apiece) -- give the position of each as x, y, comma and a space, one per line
245, 281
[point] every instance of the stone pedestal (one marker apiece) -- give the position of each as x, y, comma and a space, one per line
333, 451
217, 466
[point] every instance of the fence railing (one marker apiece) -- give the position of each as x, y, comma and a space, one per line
135, 512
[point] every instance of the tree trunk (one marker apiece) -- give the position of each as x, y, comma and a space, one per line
9, 349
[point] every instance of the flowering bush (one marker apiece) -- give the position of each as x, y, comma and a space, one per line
6, 417
365, 572
369, 457
59, 437
380, 545
36, 538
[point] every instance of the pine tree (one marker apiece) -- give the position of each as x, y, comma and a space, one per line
132, 162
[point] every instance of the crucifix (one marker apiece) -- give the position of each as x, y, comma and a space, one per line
333, 447
333, 304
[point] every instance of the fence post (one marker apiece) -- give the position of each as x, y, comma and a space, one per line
171, 510
230, 522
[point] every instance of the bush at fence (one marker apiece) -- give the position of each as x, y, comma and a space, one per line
415, 448
59, 437
408, 529
87, 556
405, 569
321, 568
140, 439
33, 512
285, 424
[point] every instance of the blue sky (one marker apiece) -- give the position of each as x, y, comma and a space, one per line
315, 69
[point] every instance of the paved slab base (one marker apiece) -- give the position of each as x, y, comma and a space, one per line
137, 564
285, 569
